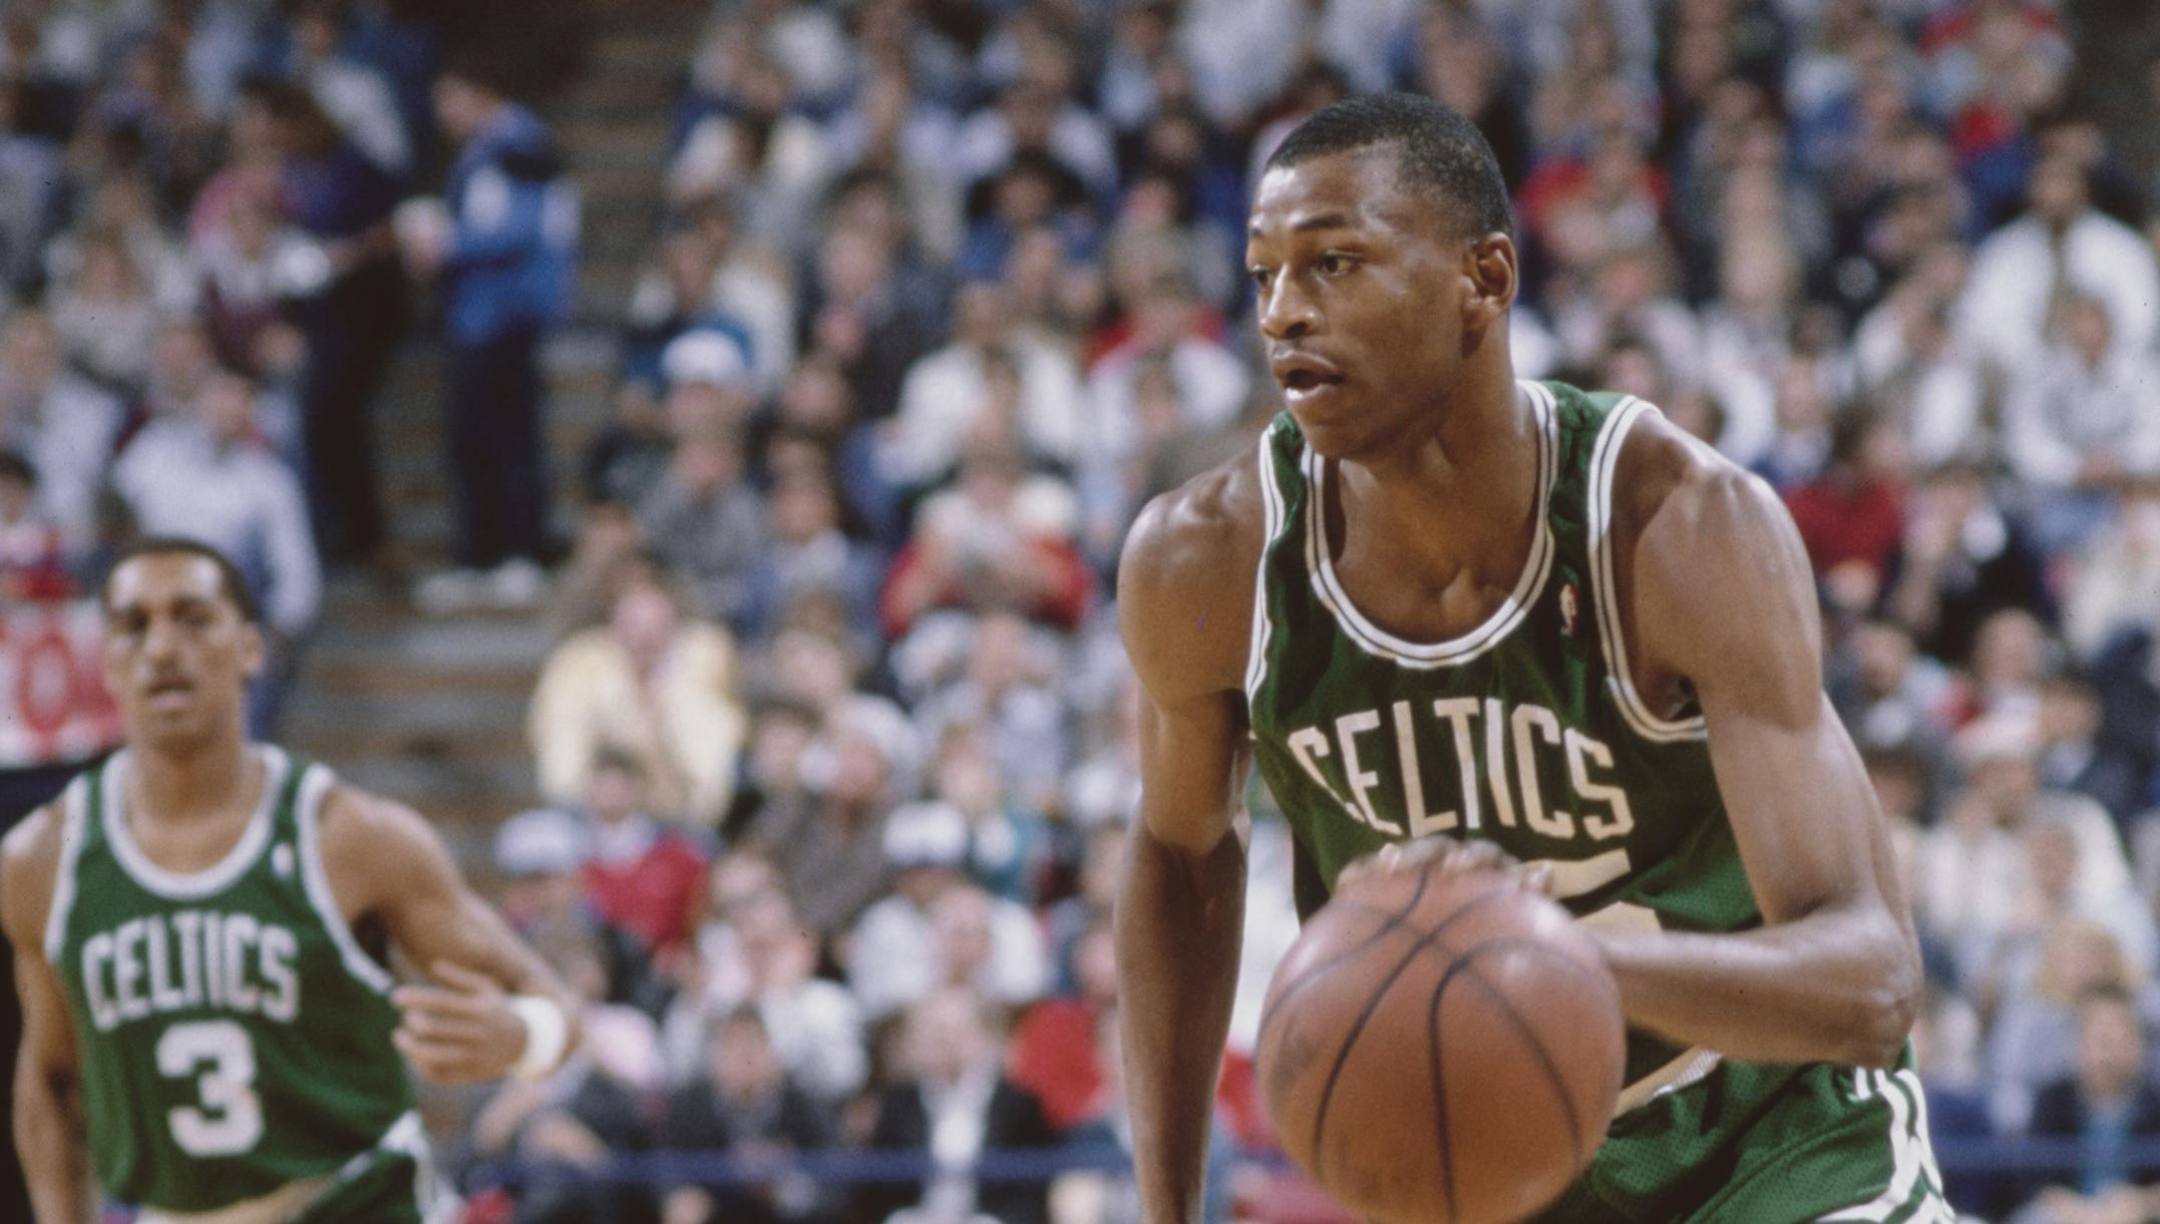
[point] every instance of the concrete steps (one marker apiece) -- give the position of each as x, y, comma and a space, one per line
432, 711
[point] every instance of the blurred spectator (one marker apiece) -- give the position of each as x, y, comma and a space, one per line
814, 1024
1973, 877
505, 259
353, 321
1851, 517
998, 539
652, 682
995, 380
704, 522
30, 181
2109, 1104
1056, 1052
809, 555
2115, 587
207, 476
644, 878
1168, 325
62, 424
2024, 272
757, 149
937, 930
743, 1104
829, 841
1965, 558
1888, 694
2080, 417
673, 300
951, 1102
1911, 364
2033, 1039
105, 314
357, 97
1005, 701
32, 560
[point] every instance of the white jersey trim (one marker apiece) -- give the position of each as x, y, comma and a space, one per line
214, 879
1912, 1153
1374, 640
74, 826
316, 883
1604, 587
1271, 497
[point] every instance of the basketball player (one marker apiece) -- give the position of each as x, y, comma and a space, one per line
199, 925
1447, 605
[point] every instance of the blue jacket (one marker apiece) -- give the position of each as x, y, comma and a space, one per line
512, 260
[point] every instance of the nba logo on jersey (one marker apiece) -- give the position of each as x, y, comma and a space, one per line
1568, 609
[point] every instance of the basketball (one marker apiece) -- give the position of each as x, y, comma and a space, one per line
1441, 1045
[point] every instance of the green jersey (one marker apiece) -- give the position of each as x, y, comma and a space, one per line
234, 1035
1526, 731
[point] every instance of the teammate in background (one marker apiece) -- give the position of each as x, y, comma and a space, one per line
199, 924
1454, 607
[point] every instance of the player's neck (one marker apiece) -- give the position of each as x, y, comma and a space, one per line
1471, 472
200, 782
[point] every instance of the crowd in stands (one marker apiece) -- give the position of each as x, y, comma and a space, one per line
837, 743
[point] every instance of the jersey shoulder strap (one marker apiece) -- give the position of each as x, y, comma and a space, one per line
79, 824
311, 785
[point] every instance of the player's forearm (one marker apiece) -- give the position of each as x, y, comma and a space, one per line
1839, 985
49, 1138
1180, 923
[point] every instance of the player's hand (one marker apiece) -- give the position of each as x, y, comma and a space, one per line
461, 1031
1448, 855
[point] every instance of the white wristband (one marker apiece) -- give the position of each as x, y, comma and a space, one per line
547, 1036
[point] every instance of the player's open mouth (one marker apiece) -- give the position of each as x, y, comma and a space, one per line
171, 689
1304, 375
1303, 385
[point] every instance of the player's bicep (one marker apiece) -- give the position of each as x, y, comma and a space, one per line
1173, 610
48, 1034
1192, 768
413, 887
1728, 600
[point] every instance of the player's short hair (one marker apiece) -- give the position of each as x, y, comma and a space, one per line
232, 584
1440, 155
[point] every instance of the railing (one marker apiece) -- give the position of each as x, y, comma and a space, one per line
1983, 1157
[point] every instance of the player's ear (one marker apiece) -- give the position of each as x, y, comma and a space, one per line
254, 648
1490, 264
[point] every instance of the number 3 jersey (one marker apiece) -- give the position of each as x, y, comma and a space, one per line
233, 1035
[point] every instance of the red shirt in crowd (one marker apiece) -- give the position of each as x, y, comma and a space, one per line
654, 895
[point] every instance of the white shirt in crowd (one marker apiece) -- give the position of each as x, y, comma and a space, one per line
2062, 412
893, 961
239, 499
2004, 307
67, 436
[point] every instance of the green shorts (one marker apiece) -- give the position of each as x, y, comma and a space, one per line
1754, 1143
393, 1183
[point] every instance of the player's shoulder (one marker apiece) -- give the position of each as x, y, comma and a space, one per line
370, 844
1186, 579
29, 869
1674, 494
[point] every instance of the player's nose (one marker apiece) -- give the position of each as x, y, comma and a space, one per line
1287, 312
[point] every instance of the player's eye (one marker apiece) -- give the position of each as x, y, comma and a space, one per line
1259, 277
1334, 263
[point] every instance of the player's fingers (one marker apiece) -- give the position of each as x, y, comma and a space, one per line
438, 1062
469, 981
439, 1001
441, 1025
